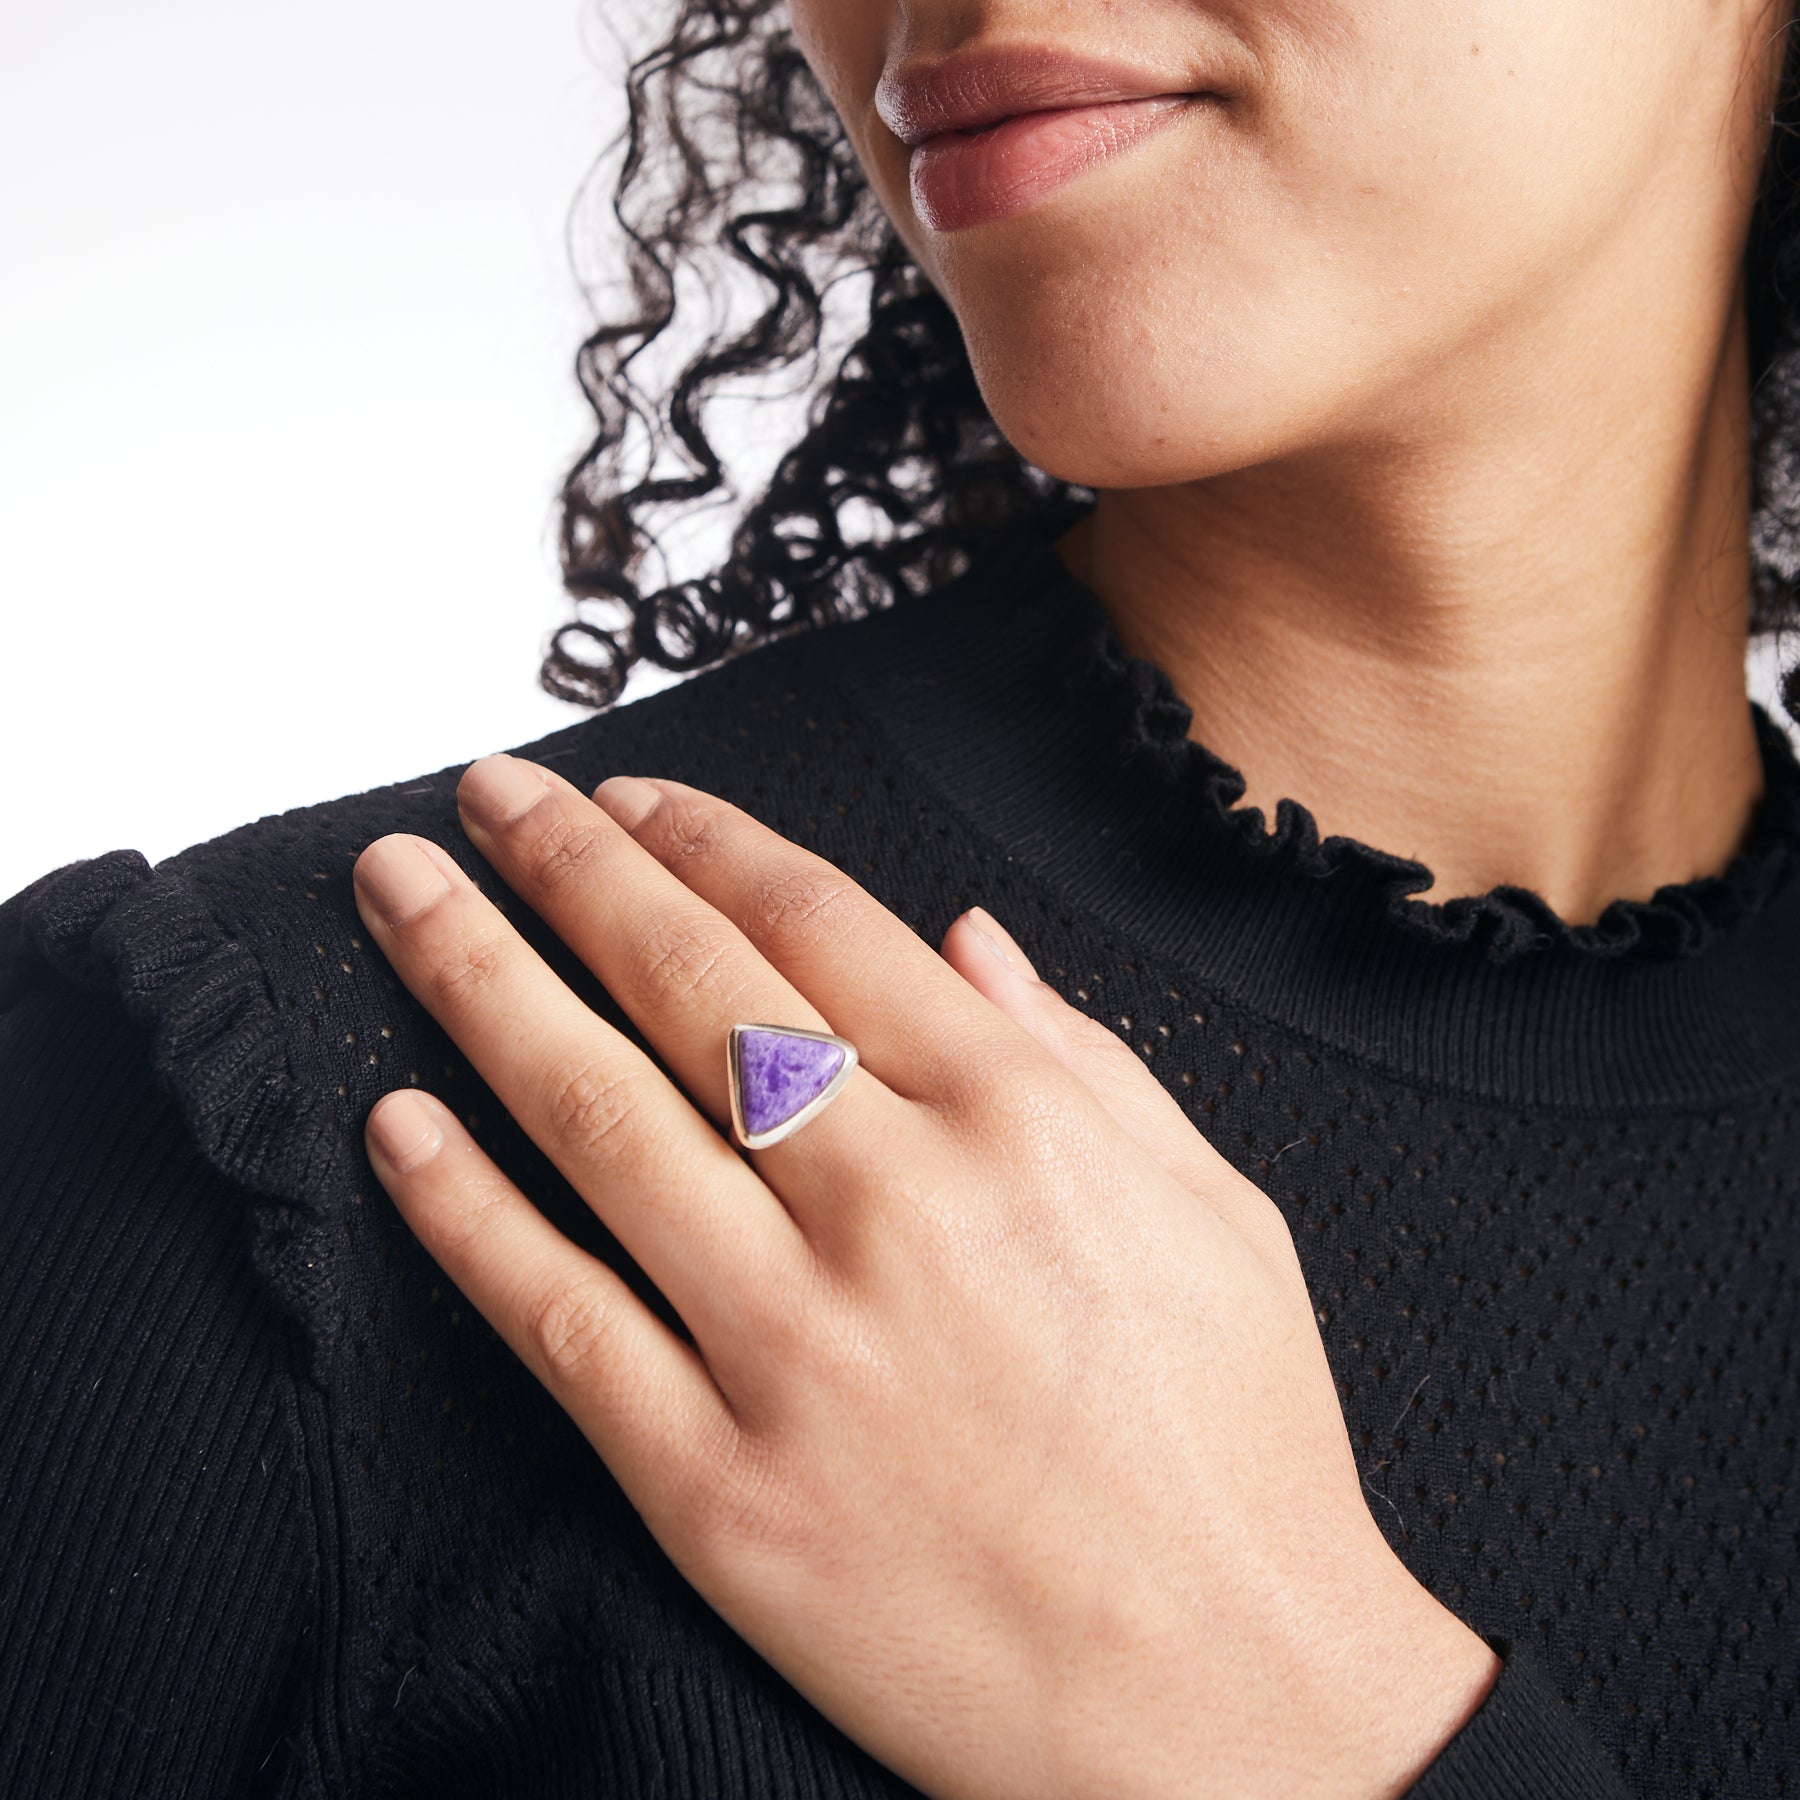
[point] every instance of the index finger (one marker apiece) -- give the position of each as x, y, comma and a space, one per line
647, 1401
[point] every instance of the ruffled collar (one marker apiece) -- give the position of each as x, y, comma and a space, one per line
1151, 724
1010, 693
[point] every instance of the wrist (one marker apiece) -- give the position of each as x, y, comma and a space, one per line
1350, 1685
1414, 1676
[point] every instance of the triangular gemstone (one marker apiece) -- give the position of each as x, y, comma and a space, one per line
779, 1072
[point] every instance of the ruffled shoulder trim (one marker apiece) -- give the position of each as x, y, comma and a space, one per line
1151, 722
115, 925
275, 1022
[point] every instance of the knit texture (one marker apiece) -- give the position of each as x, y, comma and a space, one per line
327, 1537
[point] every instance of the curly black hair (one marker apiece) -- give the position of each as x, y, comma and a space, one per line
738, 197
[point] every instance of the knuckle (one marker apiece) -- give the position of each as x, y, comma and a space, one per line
570, 1328
1018, 1116
800, 904
1041, 1148
458, 1232
1101, 1054
687, 830
1084, 1032
564, 853
1262, 1220
591, 1108
995, 1081
468, 967
682, 955
745, 1509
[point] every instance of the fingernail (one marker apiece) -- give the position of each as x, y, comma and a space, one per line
405, 1130
499, 789
999, 941
627, 799
400, 878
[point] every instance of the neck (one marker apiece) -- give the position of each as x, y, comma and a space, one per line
1506, 640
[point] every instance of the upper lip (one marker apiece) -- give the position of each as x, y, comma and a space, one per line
975, 88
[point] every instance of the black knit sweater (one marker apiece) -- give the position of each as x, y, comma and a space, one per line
281, 1515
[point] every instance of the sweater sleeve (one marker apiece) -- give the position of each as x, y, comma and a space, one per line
1521, 1743
155, 1557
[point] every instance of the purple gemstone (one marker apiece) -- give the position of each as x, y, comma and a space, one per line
778, 1074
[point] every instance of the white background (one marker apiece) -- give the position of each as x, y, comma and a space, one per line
286, 332
286, 327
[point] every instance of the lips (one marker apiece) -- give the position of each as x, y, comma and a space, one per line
994, 132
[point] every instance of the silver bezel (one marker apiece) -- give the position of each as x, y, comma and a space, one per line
811, 1110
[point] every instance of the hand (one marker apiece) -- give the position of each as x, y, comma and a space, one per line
1006, 1433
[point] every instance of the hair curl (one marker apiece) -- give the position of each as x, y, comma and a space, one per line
737, 192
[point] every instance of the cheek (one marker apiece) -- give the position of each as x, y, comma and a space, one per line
1201, 307
1279, 273
846, 47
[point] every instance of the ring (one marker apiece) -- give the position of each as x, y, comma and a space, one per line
782, 1077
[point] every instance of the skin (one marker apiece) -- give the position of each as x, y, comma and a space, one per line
1007, 1434
1412, 378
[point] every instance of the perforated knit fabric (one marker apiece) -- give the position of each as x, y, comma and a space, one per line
1543, 1184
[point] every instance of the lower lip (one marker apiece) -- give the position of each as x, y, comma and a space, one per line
966, 178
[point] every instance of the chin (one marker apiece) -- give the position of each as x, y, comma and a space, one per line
1111, 367
1125, 420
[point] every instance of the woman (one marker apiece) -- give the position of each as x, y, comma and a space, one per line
1309, 1310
